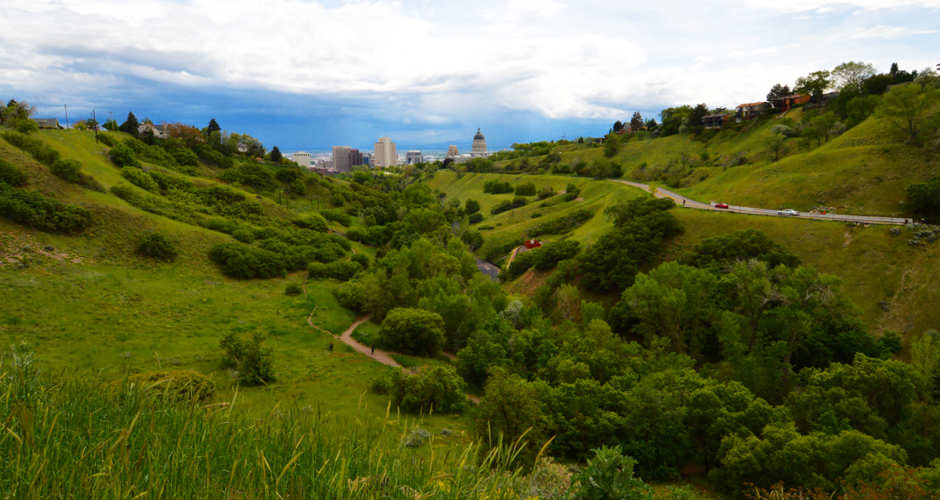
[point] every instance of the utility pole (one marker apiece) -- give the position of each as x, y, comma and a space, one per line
66, 106
95, 120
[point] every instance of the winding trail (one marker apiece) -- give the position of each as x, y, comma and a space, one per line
379, 355
690, 203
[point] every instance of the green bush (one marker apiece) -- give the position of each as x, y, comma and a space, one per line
360, 259
34, 146
178, 385
546, 192
34, 210
527, 189
439, 389
609, 474
341, 270
123, 156
413, 331
251, 361
564, 224
156, 246
475, 218
140, 179
471, 207
351, 295
336, 216
503, 206
315, 222
11, 175
184, 156
106, 139
26, 126
243, 261
293, 289
497, 187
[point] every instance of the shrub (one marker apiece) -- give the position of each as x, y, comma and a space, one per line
439, 389
609, 474
473, 239
248, 358
351, 295
315, 222
106, 139
475, 218
471, 206
527, 189
156, 246
184, 156
177, 385
123, 156
293, 289
34, 146
140, 179
26, 126
516, 202
413, 331
564, 224
336, 216
11, 175
242, 261
340, 270
497, 187
244, 235
546, 192
251, 174
34, 210
360, 259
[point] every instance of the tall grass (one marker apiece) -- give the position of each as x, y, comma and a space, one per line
69, 438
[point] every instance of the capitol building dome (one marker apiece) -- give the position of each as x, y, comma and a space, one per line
479, 145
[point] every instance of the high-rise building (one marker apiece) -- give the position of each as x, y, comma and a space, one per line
345, 157
479, 145
385, 154
452, 151
367, 159
412, 157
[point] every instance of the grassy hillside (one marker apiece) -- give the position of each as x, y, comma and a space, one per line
89, 304
892, 283
863, 171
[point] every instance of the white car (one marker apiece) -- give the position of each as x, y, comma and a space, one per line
787, 211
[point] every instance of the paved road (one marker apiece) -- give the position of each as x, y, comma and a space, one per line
690, 203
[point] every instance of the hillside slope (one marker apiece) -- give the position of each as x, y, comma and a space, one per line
892, 283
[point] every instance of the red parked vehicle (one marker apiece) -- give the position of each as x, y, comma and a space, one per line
721, 205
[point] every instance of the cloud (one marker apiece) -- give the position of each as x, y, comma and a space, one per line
442, 62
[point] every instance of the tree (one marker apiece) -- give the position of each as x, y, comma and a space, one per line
778, 91
413, 331
775, 144
814, 84
213, 127
618, 126
636, 122
906, 106
130, 125
510, 408
923, 199
15, 111
276, 155
694, 122
111, 125
471, 207
611, 144
850, 75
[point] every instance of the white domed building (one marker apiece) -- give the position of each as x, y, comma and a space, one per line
479, 145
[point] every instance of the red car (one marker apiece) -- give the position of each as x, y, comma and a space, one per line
721, 205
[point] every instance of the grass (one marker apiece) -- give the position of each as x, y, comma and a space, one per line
92, 306
71, 438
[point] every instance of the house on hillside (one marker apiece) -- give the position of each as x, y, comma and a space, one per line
714, 121
47, 123
751, 110
786, 102
158, 131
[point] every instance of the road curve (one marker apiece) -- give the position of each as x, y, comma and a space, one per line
690, 203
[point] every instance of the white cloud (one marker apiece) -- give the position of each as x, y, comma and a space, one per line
590, 60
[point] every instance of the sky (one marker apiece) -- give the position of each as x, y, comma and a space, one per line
304, 74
